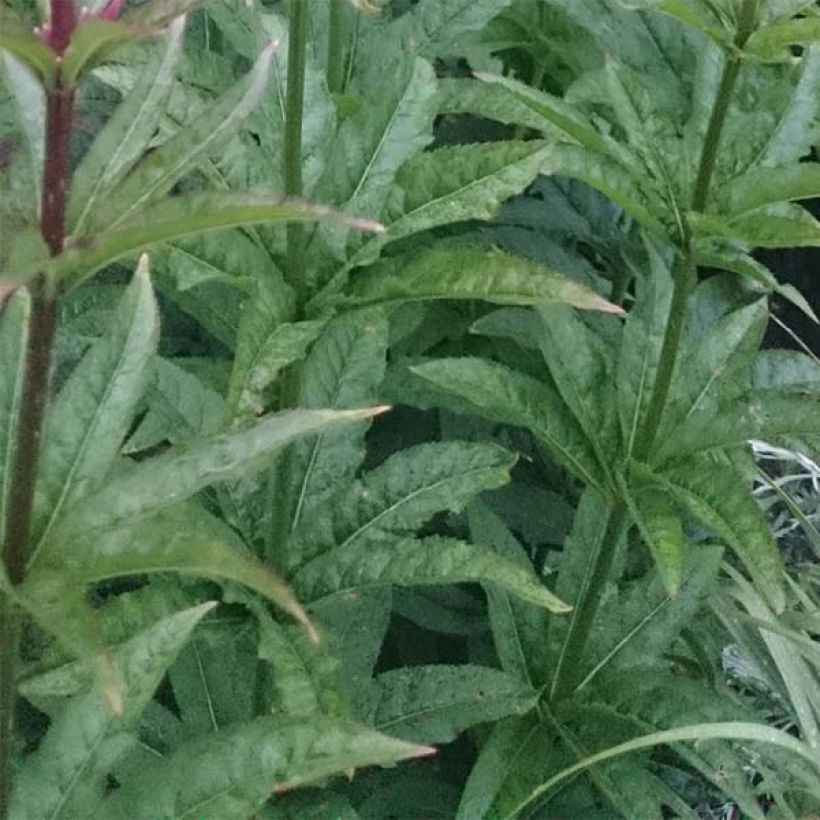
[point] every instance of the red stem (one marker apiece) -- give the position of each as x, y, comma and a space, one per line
62, 24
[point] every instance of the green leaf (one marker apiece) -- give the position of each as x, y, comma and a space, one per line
177, 474
19, 40
763, 416
14, 322
749, 732
470, 273
92, 41
581, 368
777, 226
661, 528
157, 14
399, 496
766, 186
435, 25
557, 112
435, 704
771, 42
518, 629
184, 539
371, 146
504, 395
265, 345
640, 350
717, 496
176, 217
180, 409
66, 776
408, 562
158, 172
489, 101
24, 192
511, 762
91, 415
230, 775
344, 369
127, 134
450, 185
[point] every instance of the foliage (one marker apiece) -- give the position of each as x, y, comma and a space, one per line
548, 580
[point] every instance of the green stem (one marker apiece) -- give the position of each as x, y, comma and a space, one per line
684, 272
294, 105
336, 41
9, 649
586, 606
684, 275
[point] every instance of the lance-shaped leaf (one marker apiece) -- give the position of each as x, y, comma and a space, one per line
435, 704
409, 562
772, 42
183, 539
23, 180
13, 342
93, 40
581, 367
376, 141
177, 217
265, 345
471, 273
344, 369
19, 39
400, 496
657, 517
777, 226
95, 407
66, 777
177, 474
158, 172
449, 185
716, 495
229, 775
489, 101
641, 344
766, 186
127, 134
762, 415
157, 14
505, 395
435, 25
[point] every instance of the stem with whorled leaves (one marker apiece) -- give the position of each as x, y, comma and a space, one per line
17, 544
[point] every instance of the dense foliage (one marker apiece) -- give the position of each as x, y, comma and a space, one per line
385, 384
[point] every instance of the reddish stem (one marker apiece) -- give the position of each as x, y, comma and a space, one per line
62, 24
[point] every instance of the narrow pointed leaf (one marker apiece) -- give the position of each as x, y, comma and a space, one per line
18, 39
437, 24
773, 41
95, 407
435, 704
400, 496
158, 172
766, 186
779, 226
127, 134
230, 775
183, 539
661, 528
179, 473
715, 494
93, 40
344, 369
504, 395
177, 217
408, 562
66, 776
471, 273
13, 341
